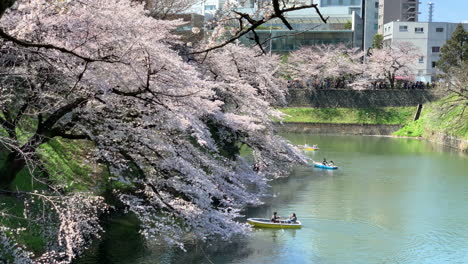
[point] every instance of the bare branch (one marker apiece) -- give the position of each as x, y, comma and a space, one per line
278, 13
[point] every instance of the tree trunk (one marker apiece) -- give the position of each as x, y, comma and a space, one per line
418, 112
4, 4
392, 81
14, 163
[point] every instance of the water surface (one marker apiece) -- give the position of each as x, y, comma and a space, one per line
391, 201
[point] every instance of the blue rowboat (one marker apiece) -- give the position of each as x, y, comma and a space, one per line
320, 165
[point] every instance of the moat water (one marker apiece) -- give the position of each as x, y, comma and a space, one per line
392, 200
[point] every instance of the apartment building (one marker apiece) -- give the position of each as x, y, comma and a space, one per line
429, 37
397, 10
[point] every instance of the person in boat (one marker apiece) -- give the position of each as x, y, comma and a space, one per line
324, 162
315, 146
292, 219
331, 164
275, 218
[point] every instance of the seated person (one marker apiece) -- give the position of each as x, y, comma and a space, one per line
275, 218
324, 162
292, 218
331, 164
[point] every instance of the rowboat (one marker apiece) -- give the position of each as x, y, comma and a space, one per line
262, 222
307, 147
320, 165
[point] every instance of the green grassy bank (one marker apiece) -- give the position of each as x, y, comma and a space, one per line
436, 117
378, 116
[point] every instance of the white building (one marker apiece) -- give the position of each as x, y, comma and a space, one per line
429, 37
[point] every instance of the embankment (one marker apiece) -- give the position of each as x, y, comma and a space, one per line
447, 140
337, 129
361, 99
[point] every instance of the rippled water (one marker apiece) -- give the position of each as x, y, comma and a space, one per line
391, 201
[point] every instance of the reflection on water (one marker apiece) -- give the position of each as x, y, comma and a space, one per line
392, 201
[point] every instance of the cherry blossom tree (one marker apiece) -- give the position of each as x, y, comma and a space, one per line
389, 62
168, 131
317, 63
359, 72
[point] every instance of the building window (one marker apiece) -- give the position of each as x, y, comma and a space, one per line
435, 49
420, 72
210, 7
376, 26
433, 64
419, 30
403, 28
439, 29
376, 4
340, 2
421, 60
355, 2
376, 15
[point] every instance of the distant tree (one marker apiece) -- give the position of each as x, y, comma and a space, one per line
324, 62
455, 51
378, 41
386, 64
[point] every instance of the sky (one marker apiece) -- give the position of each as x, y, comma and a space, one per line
445, 10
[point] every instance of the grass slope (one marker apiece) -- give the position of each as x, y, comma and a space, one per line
435, 118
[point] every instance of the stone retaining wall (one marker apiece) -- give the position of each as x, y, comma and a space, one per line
447, 140
360, 99
337, 129
366, 129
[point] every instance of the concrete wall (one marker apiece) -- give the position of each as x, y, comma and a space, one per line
337, 129
360, 99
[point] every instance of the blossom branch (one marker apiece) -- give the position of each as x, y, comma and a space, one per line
25, 43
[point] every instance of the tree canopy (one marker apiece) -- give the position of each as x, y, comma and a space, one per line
378, 41
168, 131
455, 52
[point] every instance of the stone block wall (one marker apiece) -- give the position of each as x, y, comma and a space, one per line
360, 99
337, 129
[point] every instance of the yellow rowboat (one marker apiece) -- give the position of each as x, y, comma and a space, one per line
262, 222
307, 147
